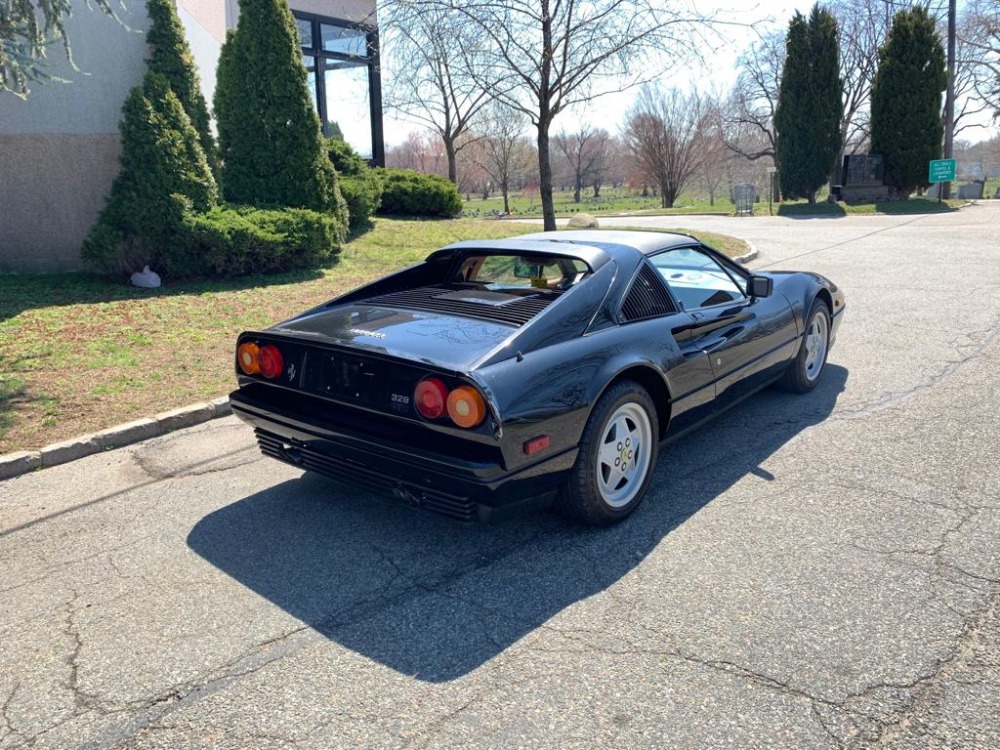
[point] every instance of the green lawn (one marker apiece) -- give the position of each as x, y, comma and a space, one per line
614, 201
79, 353
611, 201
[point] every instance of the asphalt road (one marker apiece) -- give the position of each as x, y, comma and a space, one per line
817, 571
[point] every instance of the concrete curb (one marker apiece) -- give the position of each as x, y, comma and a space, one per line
21, 462
748, 256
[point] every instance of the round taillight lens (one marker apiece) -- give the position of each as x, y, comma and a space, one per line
466, 406
271, 362
431, 397
248, 358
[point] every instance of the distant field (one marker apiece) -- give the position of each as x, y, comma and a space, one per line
621, 202
611, 201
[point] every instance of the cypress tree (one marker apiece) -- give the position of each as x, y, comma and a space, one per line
906, 100
170, 56
269, 134
810, 105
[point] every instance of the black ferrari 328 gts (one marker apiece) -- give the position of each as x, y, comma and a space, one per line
545, 367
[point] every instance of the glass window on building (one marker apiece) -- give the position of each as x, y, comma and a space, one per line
342, 62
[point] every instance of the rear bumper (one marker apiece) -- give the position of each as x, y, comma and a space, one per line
463, 490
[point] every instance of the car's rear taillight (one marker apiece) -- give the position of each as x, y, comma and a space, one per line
431, 397
466, 406
248, 358
272, 364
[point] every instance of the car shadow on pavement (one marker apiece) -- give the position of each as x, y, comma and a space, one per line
435, 600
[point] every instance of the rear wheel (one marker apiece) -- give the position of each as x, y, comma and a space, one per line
616, 460
804, 371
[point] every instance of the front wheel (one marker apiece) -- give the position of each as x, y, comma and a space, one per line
616, 459
804, 371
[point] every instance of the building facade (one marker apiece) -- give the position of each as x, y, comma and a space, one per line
59, 148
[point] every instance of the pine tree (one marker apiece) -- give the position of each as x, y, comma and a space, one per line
170, 56
906, 100
161, 158
269, 133
810, 105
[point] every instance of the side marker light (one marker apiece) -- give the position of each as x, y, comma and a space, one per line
536, 444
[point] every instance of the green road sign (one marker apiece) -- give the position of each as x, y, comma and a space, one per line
941, 170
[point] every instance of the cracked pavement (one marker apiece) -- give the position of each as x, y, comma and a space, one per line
806, 572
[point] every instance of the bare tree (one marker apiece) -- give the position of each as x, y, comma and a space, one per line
421, 152
552, 54
978, 56
863, 26
587, 153
664, 130
503, 154
716, 155
430, 84
750, 117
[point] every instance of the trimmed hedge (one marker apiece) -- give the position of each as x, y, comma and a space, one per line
410, 193
363, 196
359, 183
237, 240
344, 158
225, 241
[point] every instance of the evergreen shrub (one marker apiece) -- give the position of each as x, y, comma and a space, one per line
170, 56
161, 157
906, 100
269, 134
810, 105
409, 193
237, 240
360, 185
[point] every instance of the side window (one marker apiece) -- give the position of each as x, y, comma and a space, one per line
696, 279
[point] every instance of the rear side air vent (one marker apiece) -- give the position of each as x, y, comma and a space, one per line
647, 298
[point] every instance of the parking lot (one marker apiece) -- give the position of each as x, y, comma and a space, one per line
818, 571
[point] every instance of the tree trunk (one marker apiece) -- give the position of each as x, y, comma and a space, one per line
577, 189
545, 176
449, 147
597, 190
669, 195
506, 198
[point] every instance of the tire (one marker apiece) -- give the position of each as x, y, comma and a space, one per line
805, 371
597, 492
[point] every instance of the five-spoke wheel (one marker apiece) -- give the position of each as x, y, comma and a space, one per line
617, 456
804, 371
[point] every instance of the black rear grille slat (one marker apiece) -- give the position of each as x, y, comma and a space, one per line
429, 299
340, 469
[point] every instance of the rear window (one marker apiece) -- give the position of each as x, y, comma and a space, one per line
497, 272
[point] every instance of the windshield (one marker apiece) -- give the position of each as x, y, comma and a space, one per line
521, 271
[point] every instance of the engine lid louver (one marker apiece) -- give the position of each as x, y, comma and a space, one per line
517, 311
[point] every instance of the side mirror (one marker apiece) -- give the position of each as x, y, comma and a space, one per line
761, 286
